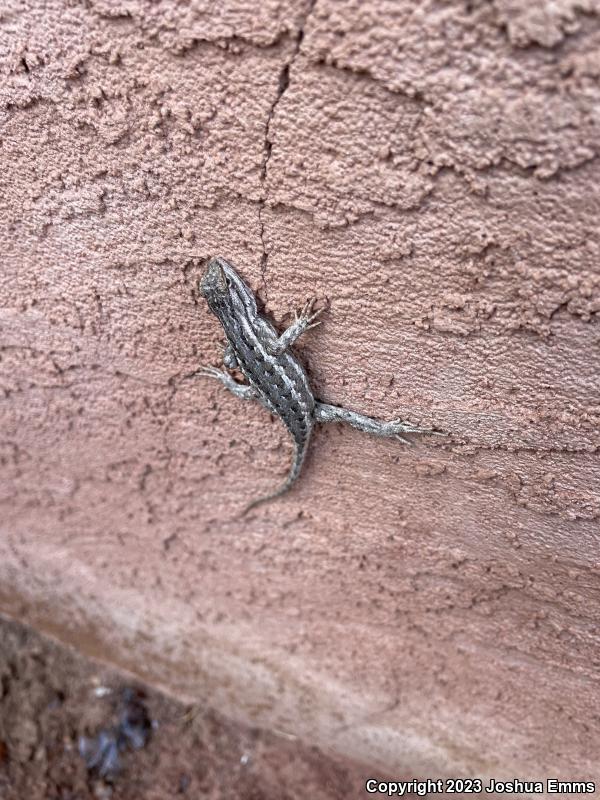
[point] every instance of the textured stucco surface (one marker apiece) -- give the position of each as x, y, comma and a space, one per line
432, 169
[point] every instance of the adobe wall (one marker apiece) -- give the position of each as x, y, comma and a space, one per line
432, 170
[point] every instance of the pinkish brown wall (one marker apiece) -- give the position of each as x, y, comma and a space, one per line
431, 168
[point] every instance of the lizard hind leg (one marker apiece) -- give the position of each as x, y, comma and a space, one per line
392, 429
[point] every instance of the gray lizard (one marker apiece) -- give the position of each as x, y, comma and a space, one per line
275, 377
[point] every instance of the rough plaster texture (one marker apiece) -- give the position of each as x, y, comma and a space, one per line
432, 169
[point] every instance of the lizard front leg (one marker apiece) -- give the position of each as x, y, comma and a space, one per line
304, 320
238, 389
229, 358
392, 429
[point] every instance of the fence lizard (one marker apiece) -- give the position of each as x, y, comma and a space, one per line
275, 377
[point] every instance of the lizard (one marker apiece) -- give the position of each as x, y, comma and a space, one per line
274, 375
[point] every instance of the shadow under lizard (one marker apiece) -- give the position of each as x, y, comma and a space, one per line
275, 377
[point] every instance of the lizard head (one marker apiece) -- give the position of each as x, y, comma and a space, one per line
225, 291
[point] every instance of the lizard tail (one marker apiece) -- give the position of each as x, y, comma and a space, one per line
299, 454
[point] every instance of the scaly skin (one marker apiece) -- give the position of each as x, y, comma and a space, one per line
274, 376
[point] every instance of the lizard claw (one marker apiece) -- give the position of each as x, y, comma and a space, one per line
307, 315
211, 372
399, 427
313, 324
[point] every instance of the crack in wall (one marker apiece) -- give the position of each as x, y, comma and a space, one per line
283, 84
